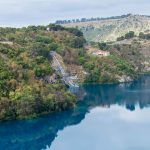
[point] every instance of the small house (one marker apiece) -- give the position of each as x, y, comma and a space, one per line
101, 53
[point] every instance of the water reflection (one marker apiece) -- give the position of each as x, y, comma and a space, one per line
37, 134
128, 94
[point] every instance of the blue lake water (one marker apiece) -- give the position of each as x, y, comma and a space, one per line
108, 117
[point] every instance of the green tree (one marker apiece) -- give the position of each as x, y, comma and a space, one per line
102, 46
129, 35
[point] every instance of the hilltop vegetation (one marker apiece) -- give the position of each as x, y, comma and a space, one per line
60, 22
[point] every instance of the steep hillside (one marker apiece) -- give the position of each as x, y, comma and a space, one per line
28, 84
110, 29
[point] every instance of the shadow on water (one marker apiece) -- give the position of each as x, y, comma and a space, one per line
36, 134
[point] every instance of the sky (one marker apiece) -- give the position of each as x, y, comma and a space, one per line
18, 13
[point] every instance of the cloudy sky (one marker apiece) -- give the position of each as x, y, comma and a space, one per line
28, 12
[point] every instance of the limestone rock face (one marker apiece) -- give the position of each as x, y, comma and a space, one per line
124, 78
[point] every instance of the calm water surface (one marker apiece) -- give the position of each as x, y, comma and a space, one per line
108, 117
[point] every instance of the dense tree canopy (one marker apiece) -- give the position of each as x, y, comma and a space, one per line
24, 64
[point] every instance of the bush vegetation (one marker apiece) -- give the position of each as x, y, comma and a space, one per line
144, 36
24, 65
128, 35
